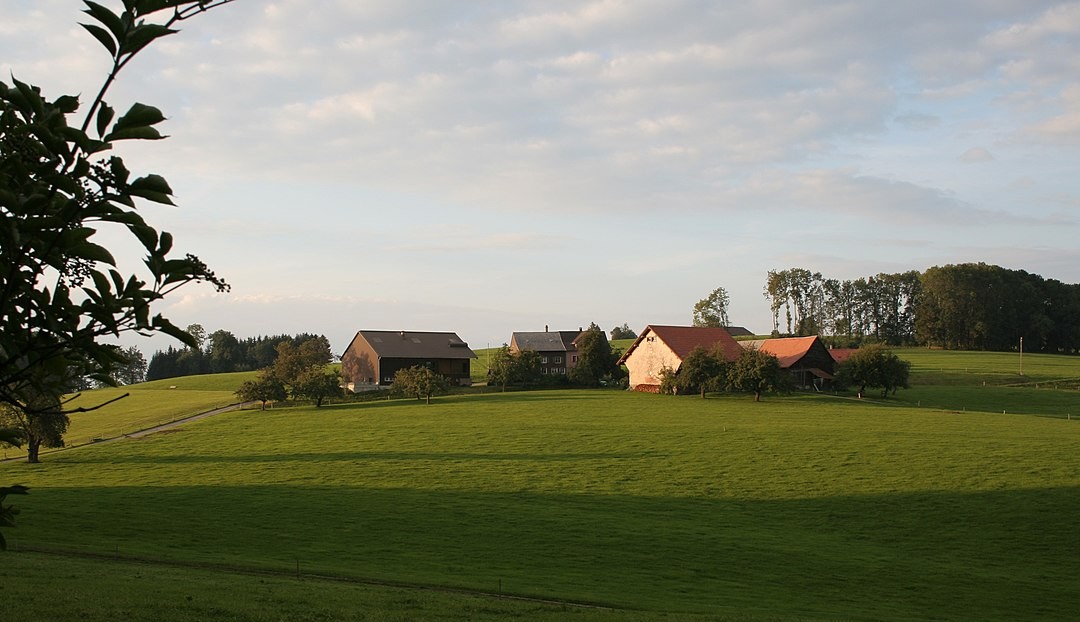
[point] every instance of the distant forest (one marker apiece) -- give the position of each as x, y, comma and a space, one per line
973, 306
221, 352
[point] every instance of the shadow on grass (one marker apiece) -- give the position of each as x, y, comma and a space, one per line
959, 556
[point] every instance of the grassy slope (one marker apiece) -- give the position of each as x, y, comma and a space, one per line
149, 404
797, 507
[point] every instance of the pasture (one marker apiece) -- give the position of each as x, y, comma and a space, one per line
800, 507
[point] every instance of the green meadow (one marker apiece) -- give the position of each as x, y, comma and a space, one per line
801, 507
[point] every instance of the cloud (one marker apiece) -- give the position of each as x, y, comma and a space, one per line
976, 155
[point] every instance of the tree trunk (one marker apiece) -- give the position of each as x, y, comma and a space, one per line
757, 396
33, 449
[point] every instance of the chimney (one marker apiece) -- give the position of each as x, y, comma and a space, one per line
545, 328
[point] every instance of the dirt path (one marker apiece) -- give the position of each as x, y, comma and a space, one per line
147, 431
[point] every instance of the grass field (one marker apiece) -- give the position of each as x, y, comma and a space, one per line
801, 507
146, 405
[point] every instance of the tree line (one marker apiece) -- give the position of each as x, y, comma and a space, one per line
973, 306
221, 352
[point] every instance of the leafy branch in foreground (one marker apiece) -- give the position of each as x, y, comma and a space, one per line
60, 292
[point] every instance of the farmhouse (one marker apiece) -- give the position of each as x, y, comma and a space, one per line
806, 358
374, 356
664, 347
557, 349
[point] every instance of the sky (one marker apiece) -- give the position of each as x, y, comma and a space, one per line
499, 166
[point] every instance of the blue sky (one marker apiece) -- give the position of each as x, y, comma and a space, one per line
510, 165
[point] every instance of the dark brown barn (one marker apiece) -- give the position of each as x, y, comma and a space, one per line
374, 356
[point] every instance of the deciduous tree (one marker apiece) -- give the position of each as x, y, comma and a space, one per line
712, 311
265, 388
61, 292
9, 512
874, 366
623, 332
702, 370
755, 372
420, 381
317, 384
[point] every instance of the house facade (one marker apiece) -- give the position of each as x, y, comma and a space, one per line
809, 361
557, 349
664, 347
374, 356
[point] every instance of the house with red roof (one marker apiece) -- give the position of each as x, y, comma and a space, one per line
807, 359
664, 347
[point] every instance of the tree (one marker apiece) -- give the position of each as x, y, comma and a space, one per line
420, 381
40, 423
874, 366
134, 370
265, 388
595, 360
317, 384
294, 360
701, 370
225, 354
712, 311
623, 332
755, 372
502, 368
59, 291
198, 335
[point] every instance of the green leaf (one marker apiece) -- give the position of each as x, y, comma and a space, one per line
142, 35
67, 104
109, 19
152, 188
93, 252
102, 36
104, 118
31, 96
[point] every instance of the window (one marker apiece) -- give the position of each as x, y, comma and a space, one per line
573, 359
543, 359
543, 370
388, 379
558, 359
650, 339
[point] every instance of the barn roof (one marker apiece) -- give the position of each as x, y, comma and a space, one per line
788, 350
683, 339
415, 344
546, 341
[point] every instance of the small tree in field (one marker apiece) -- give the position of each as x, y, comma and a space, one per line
701, 370
874, 366
265, 388
420, 381
755, 372
317, 384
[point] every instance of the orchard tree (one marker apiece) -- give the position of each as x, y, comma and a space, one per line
317, 384
501, 368
874, 366
755, 372
265, 388
701, 370
712, 311
60, 291
420, 381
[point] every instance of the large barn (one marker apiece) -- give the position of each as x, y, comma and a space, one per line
374, 356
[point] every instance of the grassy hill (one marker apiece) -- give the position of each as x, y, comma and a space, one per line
801, 507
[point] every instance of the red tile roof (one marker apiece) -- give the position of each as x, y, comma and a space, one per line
788, 350
683, 339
